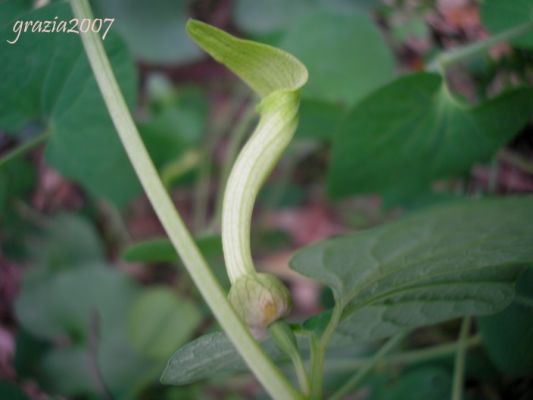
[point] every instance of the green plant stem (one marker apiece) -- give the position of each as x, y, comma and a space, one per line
458, 376
352, 383
237, 137
453, 56
288, 345
270, 376
179, 167
23, 148
318, 351
301, 373
93, 339
115, 227
201, 190
220, 126
404, 358
317, 368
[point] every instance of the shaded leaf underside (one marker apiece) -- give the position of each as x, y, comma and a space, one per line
440, 264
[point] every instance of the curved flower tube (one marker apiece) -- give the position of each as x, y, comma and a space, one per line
277, 77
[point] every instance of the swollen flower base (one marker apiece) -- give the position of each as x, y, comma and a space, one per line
260, 299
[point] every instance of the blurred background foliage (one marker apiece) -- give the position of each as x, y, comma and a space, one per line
92, 304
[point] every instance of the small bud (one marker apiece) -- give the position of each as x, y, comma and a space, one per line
260, 299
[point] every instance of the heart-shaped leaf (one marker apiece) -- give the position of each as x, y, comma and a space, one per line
153, 30
345, 54
412, 132
266, 18
50, 82
446, 262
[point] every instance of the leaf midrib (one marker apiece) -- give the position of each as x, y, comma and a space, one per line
350, 309
364, 285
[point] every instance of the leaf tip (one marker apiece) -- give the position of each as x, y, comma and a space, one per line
164, 378
199, 31
168, 376
193, 26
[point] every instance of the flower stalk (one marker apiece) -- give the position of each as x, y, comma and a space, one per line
276, 77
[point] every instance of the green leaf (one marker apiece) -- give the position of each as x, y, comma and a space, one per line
153, 30
275, 16
9, 390
406, 135
347, 6
47, 309
123, 370
160, 321
427, 383
69, 307
62, 298
65, 241
16, 182
208, 356
171, 131
446, 262
261, 18
29, 351
67, 371
213, 355
152, 250
50, 81
9, 10
507, 335
346, 55
500, 15
162, 250
319, 120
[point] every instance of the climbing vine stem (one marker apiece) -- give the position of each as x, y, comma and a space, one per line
23, 148
460, 356
447, 58
318, 351
355, 380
